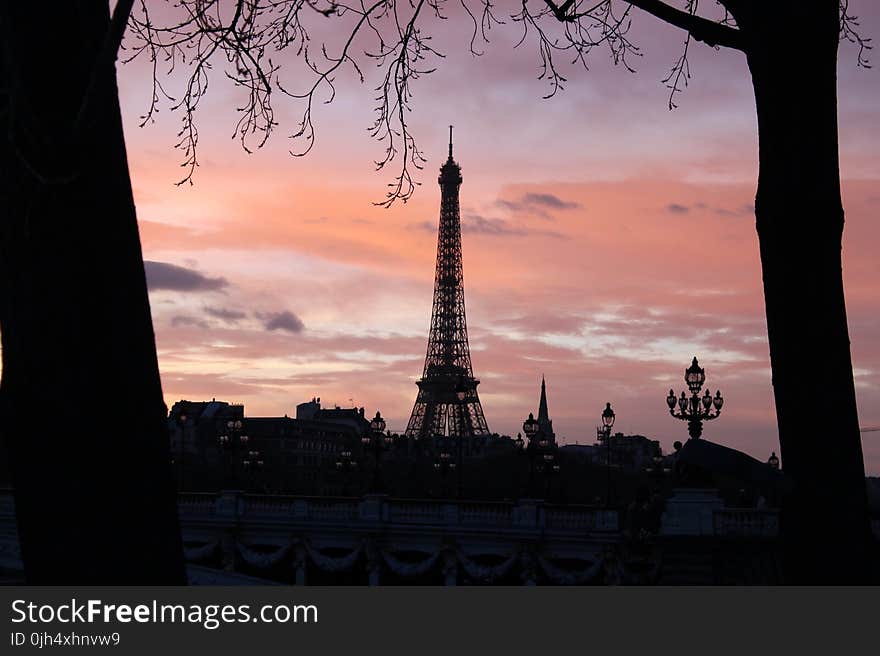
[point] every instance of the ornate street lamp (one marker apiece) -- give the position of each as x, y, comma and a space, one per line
695, 409
531, 428
608, 417
603, 434
377, 441
773, 461
539, 449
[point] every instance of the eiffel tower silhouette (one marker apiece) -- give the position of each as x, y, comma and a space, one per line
447, 402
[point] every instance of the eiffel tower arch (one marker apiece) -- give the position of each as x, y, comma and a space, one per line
447, 402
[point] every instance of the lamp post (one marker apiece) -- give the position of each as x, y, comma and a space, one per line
773, 461
540, 452
346, 464
531, 427
603, 433
231, 441
377, 442
695, 409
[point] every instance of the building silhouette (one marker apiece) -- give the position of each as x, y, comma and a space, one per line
447, 402
296, 455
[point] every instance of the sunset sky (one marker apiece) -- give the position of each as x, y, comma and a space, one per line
606, 241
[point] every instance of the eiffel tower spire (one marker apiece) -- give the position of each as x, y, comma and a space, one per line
447, 402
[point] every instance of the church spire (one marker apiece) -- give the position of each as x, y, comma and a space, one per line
544, 422
543, 413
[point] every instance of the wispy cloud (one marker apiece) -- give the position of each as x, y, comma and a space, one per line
182, 320
481, 225
225, 314
537, 204
285, 321
162, 275
549, 200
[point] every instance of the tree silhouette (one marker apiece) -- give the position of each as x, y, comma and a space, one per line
74, 311
83, 419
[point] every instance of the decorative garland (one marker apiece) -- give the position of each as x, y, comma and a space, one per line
193, 554
568, 577
617, 571
262, 560
402, 568
330, 564
483, 573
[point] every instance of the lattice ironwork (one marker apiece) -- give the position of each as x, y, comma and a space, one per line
447, 402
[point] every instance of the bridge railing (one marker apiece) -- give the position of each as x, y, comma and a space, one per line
196, 504
525, 514
582, 518
746, 522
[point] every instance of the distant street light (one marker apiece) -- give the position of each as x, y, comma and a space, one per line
695, 410
530, 428
603, 433
377, 442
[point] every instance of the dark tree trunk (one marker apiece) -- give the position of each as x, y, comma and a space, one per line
81, 408
800, 226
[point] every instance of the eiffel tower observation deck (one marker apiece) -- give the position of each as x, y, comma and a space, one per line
447, 402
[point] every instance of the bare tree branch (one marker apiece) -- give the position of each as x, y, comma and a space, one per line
849, 31
248, 40
701, 29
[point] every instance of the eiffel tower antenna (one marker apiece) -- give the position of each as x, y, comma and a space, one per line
447, 402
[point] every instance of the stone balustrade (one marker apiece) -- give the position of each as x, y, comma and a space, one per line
524, 515
746, 522
257, 534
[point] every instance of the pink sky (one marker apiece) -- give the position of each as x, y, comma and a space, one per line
606, 241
